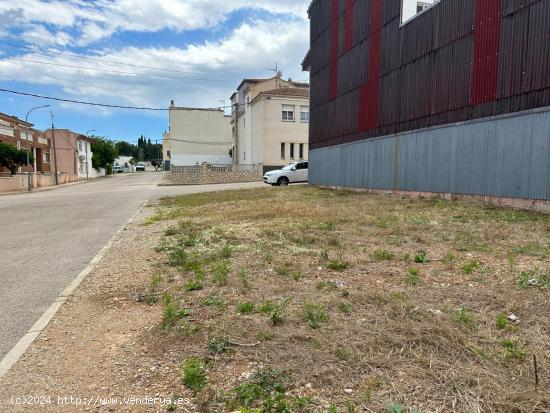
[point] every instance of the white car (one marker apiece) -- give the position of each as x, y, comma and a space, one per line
295, 172
140, 167
118, 169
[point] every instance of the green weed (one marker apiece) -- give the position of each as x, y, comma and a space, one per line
337, 265
246, 308
413, 276
219, 345
220, 272
244, 279
345, 308
421, 257
383, 255
314, 314
501, 321
214, 300
194, 375
462, 315
471, 266
513, 350
276, 315
533, 279
449, 260
155, 282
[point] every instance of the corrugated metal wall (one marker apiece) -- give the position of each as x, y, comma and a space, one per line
459, 60
506, 156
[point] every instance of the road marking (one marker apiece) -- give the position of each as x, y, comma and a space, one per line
25, 342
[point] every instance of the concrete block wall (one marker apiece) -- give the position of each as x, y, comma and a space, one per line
215, 174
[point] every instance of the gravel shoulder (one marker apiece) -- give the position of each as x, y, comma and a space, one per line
96, 346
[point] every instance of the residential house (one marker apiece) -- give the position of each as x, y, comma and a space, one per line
270, 120
20, 134
197, 136
73, 153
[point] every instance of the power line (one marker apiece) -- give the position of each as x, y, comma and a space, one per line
97, 59
104, 105
118, 71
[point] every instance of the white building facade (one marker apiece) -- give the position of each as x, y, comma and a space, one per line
197, 136
270, 120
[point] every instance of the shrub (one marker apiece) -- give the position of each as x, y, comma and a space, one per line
194, 375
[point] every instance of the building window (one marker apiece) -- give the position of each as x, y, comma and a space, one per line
411, 8
301, 151
46, 157
304, 114
288, 113
292, 151
283, 151
80, 146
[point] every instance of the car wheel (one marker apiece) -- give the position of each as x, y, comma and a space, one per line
283, 181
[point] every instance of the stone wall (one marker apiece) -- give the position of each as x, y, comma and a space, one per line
215, 174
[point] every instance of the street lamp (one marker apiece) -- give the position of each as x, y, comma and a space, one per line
86, 147
27, 138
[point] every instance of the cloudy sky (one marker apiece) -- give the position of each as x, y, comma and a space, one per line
144, 53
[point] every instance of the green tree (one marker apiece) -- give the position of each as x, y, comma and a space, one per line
12, 158
126, 149
104, 153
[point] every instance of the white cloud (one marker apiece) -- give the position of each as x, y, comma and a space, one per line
41, 36
247, 52
99, 19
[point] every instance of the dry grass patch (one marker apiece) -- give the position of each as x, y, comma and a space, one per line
309, 300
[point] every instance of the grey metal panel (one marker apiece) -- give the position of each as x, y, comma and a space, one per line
507, 156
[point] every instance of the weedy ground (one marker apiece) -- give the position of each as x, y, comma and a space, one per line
302, 299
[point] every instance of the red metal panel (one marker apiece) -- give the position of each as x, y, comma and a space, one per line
369, 94
334, 41
486, 51
350, 6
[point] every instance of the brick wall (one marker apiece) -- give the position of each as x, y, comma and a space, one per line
215, 174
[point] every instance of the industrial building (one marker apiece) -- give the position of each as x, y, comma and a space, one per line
443, 97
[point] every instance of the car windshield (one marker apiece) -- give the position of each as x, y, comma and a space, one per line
288, 167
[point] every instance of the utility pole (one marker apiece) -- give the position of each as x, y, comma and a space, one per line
54, 150
87, 166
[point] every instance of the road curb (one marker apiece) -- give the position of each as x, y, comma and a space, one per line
25, 342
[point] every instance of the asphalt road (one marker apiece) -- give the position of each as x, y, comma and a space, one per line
49, 237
